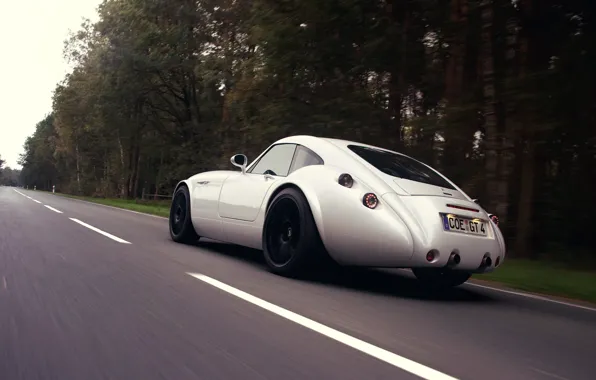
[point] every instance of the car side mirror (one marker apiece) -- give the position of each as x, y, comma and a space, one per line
240, 161
475, 200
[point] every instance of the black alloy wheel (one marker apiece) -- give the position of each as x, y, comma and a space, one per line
284, 232
291, 240
181, 228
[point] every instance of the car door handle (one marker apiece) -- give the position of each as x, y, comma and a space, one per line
202, 182
269, 176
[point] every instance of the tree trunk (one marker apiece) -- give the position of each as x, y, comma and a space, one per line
455, 64
526, 200
157, 176
130, 163
123, 184
395, 103
78, 162
527, 136
137, 171
397, 88
489, 108
458, 132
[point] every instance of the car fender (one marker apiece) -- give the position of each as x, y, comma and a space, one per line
191, 182
339, 235
310, 193
500, 239
183, 182
188, 184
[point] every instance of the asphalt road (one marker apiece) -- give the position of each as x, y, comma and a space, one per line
77, 304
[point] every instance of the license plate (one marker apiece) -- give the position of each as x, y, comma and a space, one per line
464, 225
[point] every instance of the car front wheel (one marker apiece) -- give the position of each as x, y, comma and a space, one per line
291, 241
441, 277
181, 228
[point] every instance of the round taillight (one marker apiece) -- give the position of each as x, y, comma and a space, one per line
495, 219
370, 200
346, 180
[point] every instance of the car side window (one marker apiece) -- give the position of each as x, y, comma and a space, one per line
276, 161
305, 157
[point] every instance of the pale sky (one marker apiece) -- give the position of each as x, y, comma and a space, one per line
32, 33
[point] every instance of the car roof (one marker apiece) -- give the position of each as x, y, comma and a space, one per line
314, 142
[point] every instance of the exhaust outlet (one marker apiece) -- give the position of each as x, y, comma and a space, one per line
454, 259
486, 261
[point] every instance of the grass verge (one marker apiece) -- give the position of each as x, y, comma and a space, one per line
533, 276
546, 278
159, 208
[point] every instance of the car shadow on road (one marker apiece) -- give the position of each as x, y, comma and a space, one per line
387, 282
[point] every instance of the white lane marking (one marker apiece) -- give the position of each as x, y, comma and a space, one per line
4, 284
522, 294
360, 345
116, 238
548, 374
112, 207
53, 209
26, 196
533, 296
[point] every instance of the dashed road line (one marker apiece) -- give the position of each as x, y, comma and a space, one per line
106, 234
26, 196
53, 209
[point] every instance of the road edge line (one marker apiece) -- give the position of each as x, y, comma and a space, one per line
108, 206
540, 297
386, 356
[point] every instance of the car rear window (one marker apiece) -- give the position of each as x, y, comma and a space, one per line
397, 165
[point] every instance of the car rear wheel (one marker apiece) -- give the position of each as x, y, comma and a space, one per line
291, 241
441, 277
181, 228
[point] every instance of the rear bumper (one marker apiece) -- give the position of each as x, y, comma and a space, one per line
428, 235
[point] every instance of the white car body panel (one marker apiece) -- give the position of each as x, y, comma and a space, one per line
242, 196
231, 206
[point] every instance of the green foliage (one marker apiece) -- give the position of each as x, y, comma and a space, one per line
8, 176
546, 278
165, 89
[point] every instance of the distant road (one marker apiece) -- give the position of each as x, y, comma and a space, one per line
91, 292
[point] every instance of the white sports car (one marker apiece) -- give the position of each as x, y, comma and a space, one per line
305, 198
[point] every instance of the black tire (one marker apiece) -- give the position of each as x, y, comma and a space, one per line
181, 228
292, 245
441, 278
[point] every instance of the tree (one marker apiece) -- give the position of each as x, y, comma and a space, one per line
496, 94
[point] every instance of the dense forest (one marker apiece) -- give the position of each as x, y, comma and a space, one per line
8, 176
500, 95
